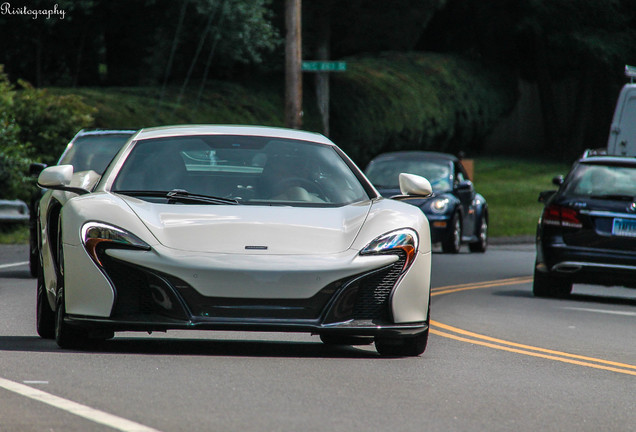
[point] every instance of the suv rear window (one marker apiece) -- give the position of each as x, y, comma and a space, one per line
602, 180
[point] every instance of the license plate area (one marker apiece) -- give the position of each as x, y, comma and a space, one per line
624, 227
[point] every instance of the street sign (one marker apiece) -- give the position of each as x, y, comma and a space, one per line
324, 66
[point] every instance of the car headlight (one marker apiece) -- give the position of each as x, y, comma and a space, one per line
404, 240
98, 236
439, 205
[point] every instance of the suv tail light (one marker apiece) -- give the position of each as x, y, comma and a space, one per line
564, 217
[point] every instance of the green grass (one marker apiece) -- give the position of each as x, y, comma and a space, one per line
511, 188
14, 234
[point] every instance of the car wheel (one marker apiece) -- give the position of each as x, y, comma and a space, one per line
405, 347
66, 335
545, 285
34, 255
45, 317
453, 241
482, 242
345, 340
34, 261
402, 347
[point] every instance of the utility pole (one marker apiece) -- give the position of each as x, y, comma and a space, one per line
293, 59
322, 78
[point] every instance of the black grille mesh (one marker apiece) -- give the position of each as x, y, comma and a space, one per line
374, 292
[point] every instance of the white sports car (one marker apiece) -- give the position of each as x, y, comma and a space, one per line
234, 228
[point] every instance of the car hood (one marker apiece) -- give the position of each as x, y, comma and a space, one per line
252, 229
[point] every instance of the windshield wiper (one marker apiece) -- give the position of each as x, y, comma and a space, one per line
181, 195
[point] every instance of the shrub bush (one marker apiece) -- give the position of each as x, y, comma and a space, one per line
34, 126
12, 165
48, 121
417, 101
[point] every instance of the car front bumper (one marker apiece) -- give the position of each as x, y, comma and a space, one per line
439, 225
346, 294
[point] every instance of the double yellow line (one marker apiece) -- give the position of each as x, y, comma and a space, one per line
489, 284
458, 334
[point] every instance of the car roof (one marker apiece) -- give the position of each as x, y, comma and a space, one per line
416, 155
93, 132
609, 159
266, 131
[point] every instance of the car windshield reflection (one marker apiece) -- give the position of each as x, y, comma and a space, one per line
248, 170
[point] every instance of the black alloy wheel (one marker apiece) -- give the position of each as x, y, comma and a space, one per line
453, 241
482, 237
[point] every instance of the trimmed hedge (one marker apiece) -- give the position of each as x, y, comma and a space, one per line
393, 101
417, 101
35, 125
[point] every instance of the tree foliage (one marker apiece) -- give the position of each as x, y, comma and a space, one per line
414, 101
556, 44
35, 125
137, 41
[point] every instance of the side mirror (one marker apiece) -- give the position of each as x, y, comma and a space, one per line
545, 195
59, 177
36, 168
558, 180
414, 185
464, 185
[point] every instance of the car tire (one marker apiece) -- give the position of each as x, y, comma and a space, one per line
545, 285
66, 335
328, 339
45, 316
34, 261
482, 237
453, 241
402, 347
408, 346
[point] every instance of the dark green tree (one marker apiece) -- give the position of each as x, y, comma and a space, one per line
549, 42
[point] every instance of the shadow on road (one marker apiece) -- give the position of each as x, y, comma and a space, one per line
194, 347
15, 274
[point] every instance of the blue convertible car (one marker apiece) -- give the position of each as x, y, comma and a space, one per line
456, 213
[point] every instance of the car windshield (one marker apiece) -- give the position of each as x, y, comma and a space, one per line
384, 174
603, 181
93, 152
238, 169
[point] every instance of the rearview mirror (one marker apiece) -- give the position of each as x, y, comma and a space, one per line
464, 185
59, 177
56, 176
36, 168
545, 195
414, 185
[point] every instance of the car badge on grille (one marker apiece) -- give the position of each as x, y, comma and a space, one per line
632, 207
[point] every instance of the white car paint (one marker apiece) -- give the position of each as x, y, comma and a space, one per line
238, 251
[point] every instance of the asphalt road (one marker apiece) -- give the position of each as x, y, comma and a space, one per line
498, 360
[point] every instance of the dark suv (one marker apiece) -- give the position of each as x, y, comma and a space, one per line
587, 231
